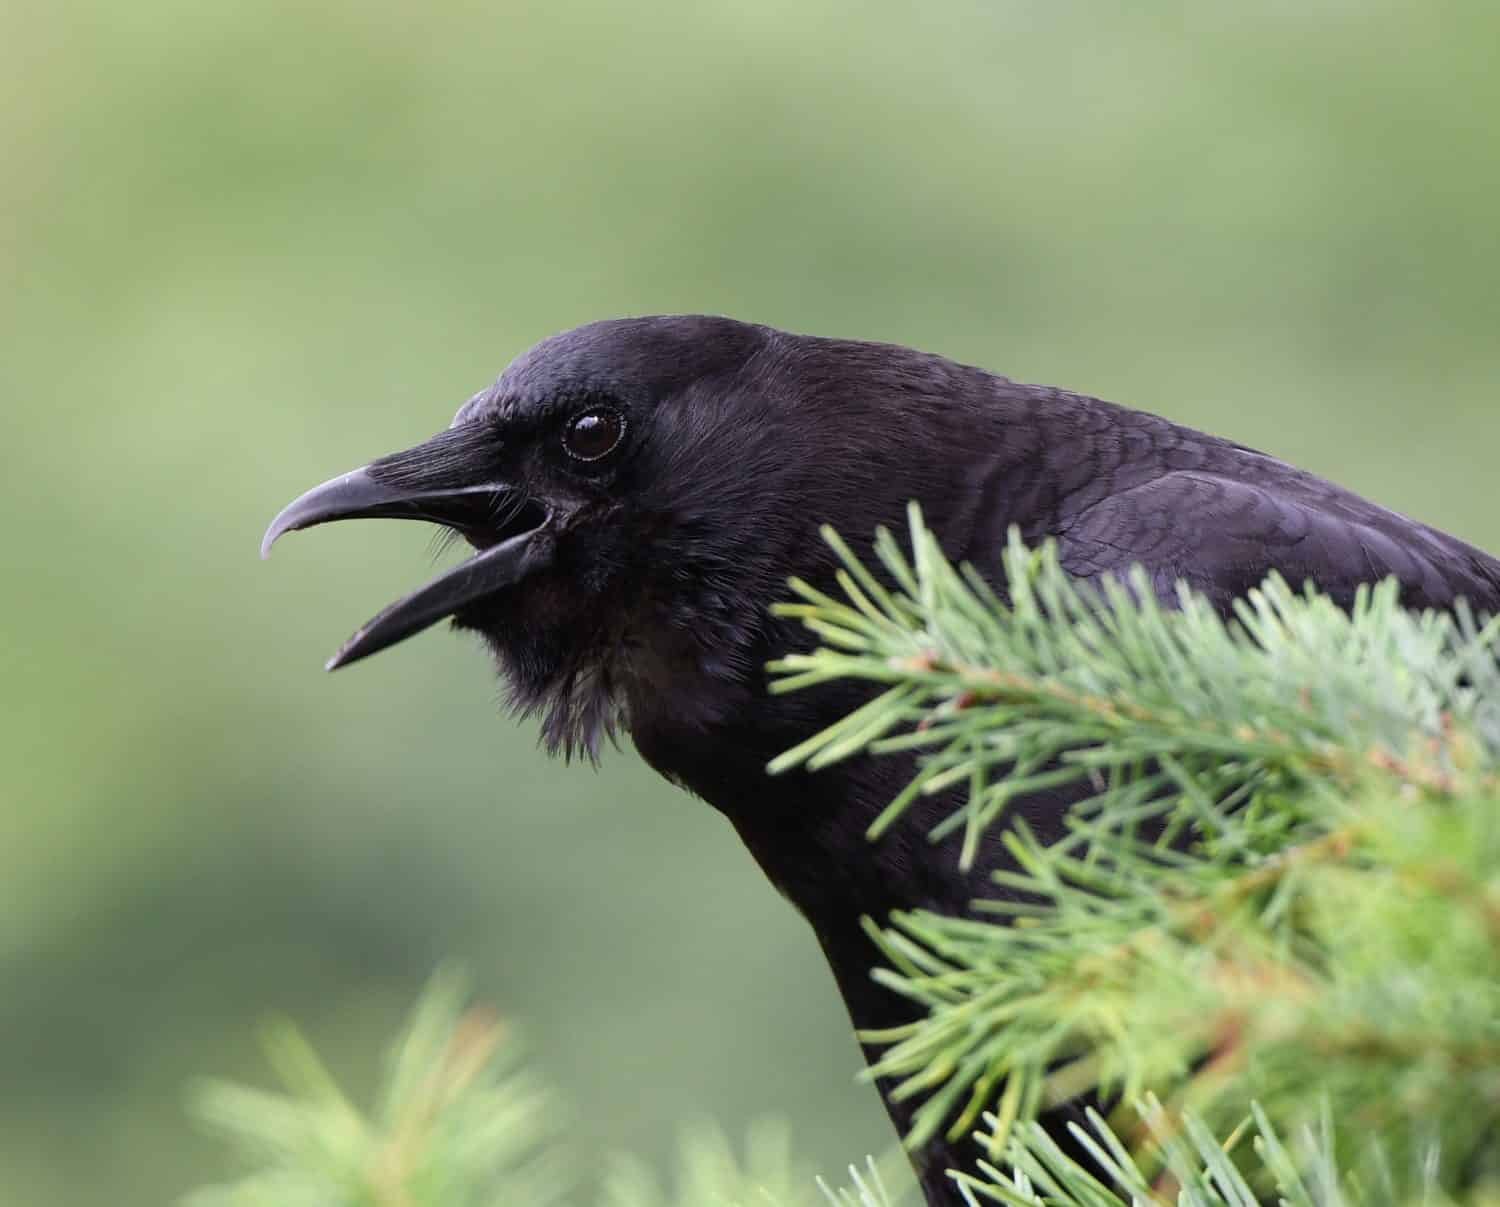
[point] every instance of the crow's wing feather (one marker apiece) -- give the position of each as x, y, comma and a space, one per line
1222, 535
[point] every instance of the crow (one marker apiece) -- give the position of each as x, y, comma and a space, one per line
638, 491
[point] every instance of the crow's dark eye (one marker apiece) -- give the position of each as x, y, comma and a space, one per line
594, 434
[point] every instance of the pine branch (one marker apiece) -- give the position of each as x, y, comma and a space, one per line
709, 1174
1196, 1168
1066, 682
1283, 881
460, 1123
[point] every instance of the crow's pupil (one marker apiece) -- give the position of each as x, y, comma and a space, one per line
593, 435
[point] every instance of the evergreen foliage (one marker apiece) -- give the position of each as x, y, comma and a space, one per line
1273, 925
459, 1122
462, 1123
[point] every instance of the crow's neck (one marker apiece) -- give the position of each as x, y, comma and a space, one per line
808, 830
808, 833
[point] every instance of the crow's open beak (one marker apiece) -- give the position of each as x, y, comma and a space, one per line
512, 533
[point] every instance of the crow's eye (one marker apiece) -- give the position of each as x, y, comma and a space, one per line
594, 434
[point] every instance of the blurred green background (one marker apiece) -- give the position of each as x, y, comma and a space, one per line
247, 246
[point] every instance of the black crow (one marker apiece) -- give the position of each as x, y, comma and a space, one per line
638, 492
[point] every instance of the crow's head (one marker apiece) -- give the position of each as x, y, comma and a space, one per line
636, 492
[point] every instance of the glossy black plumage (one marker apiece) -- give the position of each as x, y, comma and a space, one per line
643, 607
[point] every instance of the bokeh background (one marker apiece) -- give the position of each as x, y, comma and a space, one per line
246, 246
